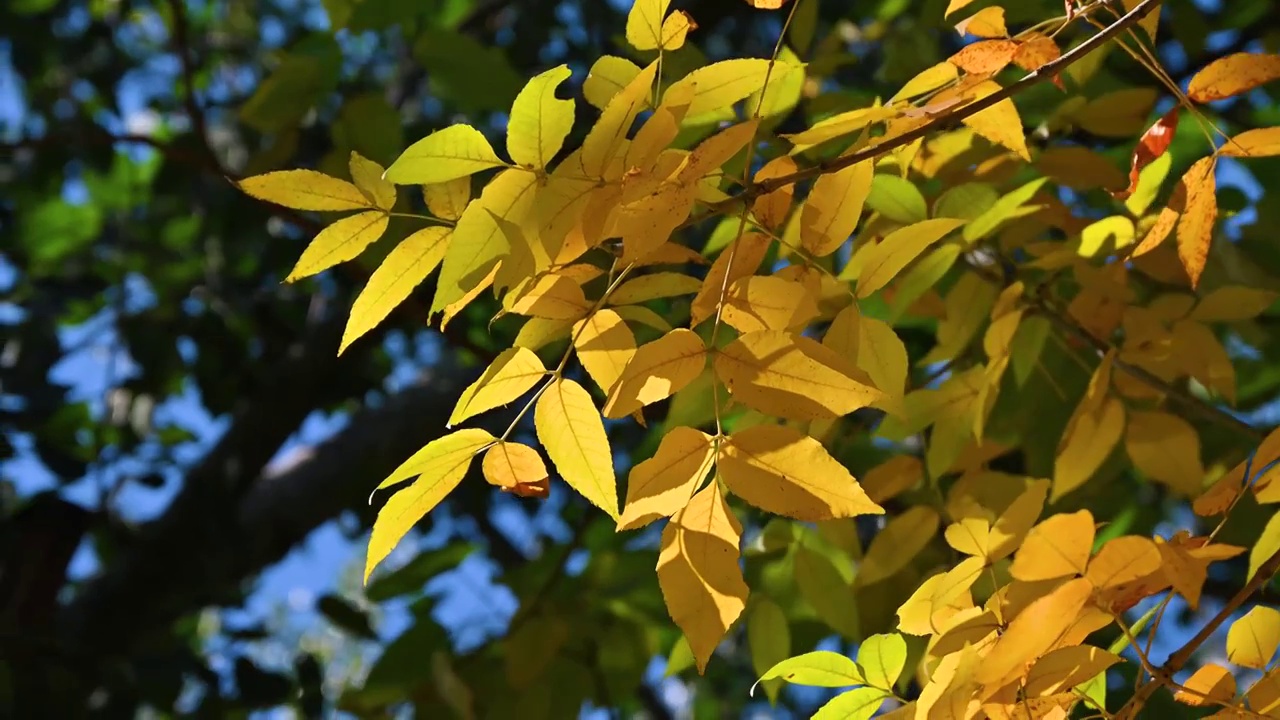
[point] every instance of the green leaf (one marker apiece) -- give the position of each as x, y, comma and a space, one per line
820, 668
769, 637
343, 614
897, 198
1006, 208
882, 658
417, 572
858, 704
828, 590
965, 202
475, 76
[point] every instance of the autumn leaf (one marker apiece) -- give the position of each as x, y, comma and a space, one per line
785, 472
986, 23
539, 121
1252, 640
604, 344
660, 486
1210, 684
339, 242
888, 258
792, 376
305, 190
1123, 560
516, 468
1061, 545
404, 268
571, 431
1232, 75
897, 544
857, 704
1166, 448
511, 374
760, 303
741, 259
367, 175
985, 57
1065, 668
724, 83
698, 571
440, 466
1259, 142
1152, 145
1195, 227
833, 207
604, 140
448, 200
657, 371
453, 152
1032, 633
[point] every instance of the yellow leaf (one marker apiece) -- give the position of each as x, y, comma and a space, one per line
1186, 563
608, 136
999, 123
641, 315
1064, 668
768, 303
551, 296
740, 259
1195, 227
511, 465
1089, 441
448, 199
674, 30
986, 23
478, 241
367, 175
792, 376
882, 658
771, 209
769, 637
571, 431
1267, 544
720, 85
1032, 633
646, 224
1264, 696
604, 345
1106, 236
785, 472
926, 81
339, 242
539, 120
916, 616
953, 589
1234, 74
656, 372
717, 150
1259, 142
885, 260
1211, 684
404, 268
1166, 448
305, 190
511, 374
698, 571
1061, 545
833, 207
1123, 560
658, 132
784, 90
1252, 640
1232, 304
895, 546
654, 286
440, 466
608, 75
453, 152
1015, 522
876, 350
644, 23
537, 333
663, 484
955, 5
840, 125
893, 477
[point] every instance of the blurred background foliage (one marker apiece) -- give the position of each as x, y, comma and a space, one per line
185, 461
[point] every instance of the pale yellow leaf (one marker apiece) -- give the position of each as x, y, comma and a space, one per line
840, 125
999, 123
604, 345
955, 5
674, 30
786, 472
305, 190
1267, 544
447, 154
882, 658
1061, 545
608, 136
1232, 75
768, 303
555, 297
986, 23
663, 484
1252, 640
1123, 559
657, 371
511, 374
539, 120
478, 241
339, 242
926, 81
698, 571
644, 23
895, 546
404, 268
721, 84
771, 209
886, 259
1166, 448
792, 376
448, 199
440, 466
572, 433
608, 75
833, 208
654, 286
367, 175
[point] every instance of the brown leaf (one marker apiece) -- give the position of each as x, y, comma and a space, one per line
1154, 143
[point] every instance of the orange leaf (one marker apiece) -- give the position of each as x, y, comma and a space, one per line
1195, 228
1035, 52
1155, 141
986, 57
1232, 75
